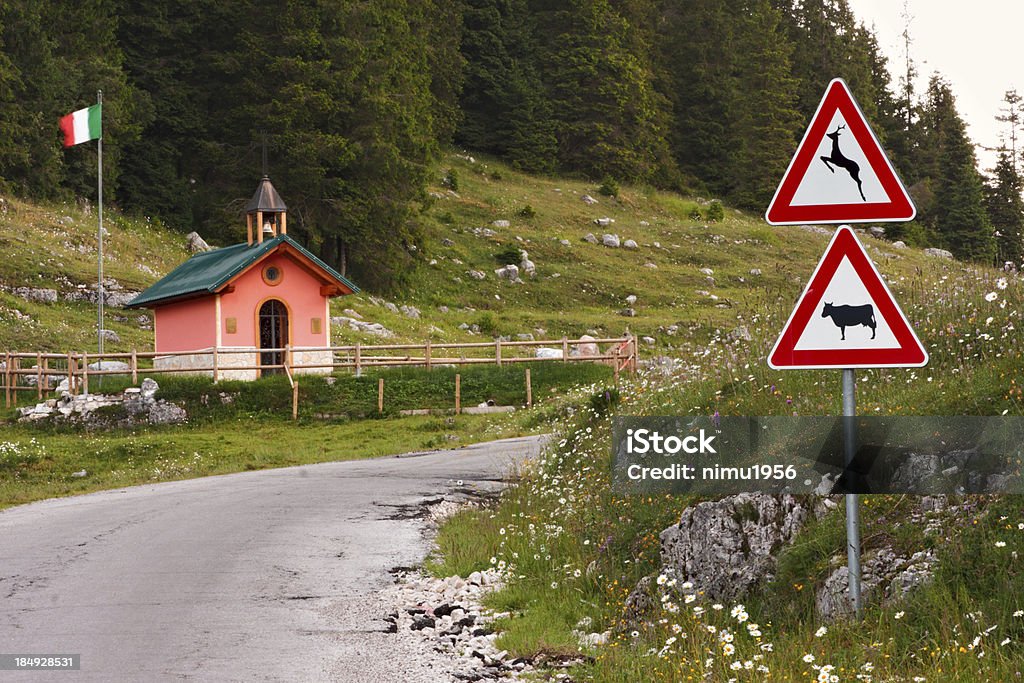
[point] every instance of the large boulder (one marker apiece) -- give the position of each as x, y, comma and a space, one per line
729, 546
886, 577
195, 243
610, 241
939, 253
509, 272
587, 348
526, 265
43, 296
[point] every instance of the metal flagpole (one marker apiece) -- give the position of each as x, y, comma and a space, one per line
99, 267
852, 499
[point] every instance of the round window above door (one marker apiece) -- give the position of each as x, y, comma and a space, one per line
273, 275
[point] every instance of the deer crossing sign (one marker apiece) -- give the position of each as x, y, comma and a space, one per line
839, 173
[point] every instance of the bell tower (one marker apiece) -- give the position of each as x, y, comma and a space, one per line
267, 211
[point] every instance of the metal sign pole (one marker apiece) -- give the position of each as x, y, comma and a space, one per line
852, 499
99, 241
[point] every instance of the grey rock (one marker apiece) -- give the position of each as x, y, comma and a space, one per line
165, 413
631, 299
564, 243
149, 387
500, 224
741, 333
411, 312
640, 601
630, 244
590, 237
587, 199
447, 242
628, 312
938, 253
652, 266
526, 265
604, 222
727, 547
110, 336
588, 347
650, 341
110, 366
899, 244
755, 271
886, 578
544, 352
195, 243
43, 296
509, 272
877, 231
610, 241
477, 274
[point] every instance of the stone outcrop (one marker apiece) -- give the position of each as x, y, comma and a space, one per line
135, 406
885, 577
727, 547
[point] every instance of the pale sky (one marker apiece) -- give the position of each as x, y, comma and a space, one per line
977, 45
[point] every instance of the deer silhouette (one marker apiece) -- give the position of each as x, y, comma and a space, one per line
837, 158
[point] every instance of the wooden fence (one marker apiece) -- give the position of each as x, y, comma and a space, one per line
39, 373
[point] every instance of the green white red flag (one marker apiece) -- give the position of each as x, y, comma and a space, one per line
82, 125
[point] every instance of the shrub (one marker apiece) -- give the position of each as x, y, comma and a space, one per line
451, 180
526, 212
695, 214
609, 187
715, 211
508, 256
605, 400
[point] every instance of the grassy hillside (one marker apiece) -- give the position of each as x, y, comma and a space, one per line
578, 288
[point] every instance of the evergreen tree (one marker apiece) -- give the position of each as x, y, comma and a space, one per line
696, 60
610, 119
1005, 206
945, 158
767, 125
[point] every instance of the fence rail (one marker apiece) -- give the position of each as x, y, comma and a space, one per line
41, 372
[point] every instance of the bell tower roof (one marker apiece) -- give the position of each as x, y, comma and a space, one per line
266, 199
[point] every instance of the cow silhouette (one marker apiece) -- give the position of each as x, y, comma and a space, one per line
837, 158
848, 316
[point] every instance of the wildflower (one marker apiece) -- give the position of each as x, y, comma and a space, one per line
1019, 613
991, 296
728, 649
718, 606
1001, 283
899, 615
820, 632
1000, 544
808, 658
736, 666
737, 610
635, 634
554, 585
662, 579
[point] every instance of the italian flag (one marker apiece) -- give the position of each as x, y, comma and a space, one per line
82, 125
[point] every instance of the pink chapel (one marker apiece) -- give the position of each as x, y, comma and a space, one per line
258, 300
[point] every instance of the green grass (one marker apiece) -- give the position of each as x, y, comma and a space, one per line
36, 465
573, 550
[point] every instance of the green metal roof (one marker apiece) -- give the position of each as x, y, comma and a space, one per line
208, 271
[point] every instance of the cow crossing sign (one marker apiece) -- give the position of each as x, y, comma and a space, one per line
846, 317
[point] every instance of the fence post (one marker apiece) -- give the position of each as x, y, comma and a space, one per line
497, 351
16, 361
216, 362
295, 401
615, 365
380, 395
529, 390
636, 357
426, 353
85, 374
458, 394
7, 379
359, 360
565, 350
46, 372
71, 373
39, 375
135, 367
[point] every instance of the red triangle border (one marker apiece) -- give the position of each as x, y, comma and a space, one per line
910, 353
899, 208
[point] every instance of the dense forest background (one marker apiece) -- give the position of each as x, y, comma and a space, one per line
357, 101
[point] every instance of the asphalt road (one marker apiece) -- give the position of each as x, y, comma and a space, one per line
267, 575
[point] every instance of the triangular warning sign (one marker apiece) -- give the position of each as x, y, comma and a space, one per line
839, 173
847, 317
